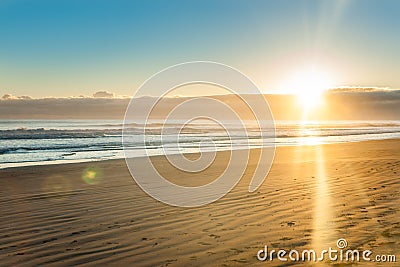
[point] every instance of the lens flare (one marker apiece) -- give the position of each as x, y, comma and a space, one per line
92, 175
56, 187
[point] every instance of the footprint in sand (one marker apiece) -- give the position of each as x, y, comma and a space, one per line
214, 236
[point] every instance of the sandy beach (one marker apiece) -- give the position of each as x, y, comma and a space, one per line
313, 196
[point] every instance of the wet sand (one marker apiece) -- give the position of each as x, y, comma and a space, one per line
313, 196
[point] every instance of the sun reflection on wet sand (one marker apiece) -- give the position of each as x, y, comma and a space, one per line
323, 235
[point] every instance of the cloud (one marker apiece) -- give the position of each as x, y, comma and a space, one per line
7, 97
103, 94
359, 89
24, 97
11, 97
365, 90
366, 94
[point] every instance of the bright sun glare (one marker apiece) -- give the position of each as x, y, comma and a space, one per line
309, 87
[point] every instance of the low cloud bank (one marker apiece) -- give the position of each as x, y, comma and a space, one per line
63, 108
344, 104
339, 104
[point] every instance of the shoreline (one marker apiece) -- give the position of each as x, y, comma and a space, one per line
78, 161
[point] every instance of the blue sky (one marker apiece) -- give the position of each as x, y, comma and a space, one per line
76, 47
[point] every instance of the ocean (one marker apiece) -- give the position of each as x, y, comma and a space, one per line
38, 142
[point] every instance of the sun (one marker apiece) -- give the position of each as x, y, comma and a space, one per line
309, 87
